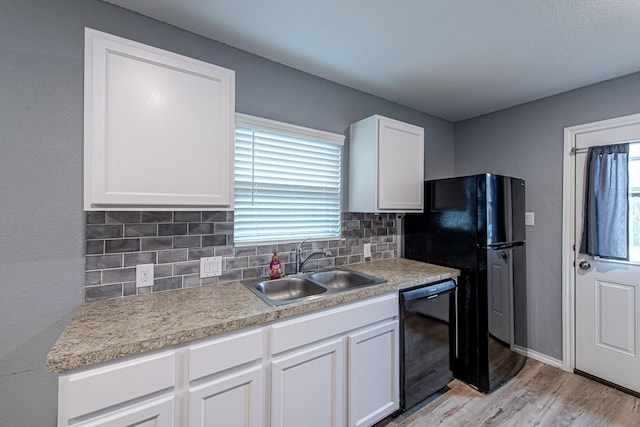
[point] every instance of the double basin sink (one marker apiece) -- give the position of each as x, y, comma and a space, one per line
305, 286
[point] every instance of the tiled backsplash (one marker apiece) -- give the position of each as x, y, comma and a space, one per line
175, 241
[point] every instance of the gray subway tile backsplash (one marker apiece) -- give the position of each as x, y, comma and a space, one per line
175, 241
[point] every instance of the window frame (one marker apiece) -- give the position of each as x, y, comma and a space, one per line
296, 131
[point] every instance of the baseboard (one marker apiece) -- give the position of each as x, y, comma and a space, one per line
540, 357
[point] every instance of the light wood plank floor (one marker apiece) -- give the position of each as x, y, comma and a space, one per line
539, 395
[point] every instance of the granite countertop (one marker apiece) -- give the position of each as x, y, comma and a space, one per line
109, 329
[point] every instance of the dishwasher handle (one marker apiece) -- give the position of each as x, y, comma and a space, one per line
429, 290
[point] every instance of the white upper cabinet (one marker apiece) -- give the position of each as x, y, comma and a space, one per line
158, 128
386, 166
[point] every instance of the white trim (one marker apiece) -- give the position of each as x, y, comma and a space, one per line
289, 129
568, 255
568, 227
540, 357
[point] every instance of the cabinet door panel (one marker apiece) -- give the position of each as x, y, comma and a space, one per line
234, 400
400, 166
307, 387
158, 127
373, 374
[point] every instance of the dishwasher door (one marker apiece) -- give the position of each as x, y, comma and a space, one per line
427, 335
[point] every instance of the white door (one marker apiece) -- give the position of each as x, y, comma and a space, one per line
607, 308
373, 374
307, 387
400, 165
233, 400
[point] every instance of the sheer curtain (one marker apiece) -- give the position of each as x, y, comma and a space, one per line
605, 231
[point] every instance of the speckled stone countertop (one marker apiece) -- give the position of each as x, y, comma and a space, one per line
108, 329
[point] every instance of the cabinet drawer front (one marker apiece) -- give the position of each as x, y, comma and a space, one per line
297, 332
99, 388
224, 353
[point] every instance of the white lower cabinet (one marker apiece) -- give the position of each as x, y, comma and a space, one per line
373, 374
336, 367
225, 381
232, 400
307, 387
329, 368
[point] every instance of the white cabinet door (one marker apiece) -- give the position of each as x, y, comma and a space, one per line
155, 413
307, 387
158, 128
386, 166
373, 374
400, 166
233, 400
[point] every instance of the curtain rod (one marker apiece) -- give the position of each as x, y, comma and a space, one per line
575, 150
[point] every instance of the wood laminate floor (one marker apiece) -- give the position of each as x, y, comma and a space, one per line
540, 395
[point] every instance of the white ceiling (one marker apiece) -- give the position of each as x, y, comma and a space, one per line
453, 59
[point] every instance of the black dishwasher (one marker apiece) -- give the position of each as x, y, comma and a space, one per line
427, 336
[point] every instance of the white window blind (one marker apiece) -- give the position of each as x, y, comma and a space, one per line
287, 181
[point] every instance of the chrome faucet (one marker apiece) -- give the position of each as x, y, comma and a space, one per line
300, 260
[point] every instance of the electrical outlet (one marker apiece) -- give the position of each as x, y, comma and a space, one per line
144, 275
210, 266
367, 250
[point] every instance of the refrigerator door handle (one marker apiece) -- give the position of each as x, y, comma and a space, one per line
504, 245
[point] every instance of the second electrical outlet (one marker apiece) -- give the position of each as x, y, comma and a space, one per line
210, 266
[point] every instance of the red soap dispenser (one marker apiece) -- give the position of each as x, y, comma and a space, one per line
275, 268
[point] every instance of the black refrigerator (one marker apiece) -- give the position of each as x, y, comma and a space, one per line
476, 224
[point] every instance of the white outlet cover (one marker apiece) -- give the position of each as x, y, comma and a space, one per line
367, 250
144, 275
529, 218
210, 266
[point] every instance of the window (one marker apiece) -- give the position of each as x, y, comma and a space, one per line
287, 182
634, 202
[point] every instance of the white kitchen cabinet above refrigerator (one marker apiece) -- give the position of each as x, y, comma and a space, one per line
386, 166
158, 128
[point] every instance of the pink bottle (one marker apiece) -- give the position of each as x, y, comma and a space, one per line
275, 268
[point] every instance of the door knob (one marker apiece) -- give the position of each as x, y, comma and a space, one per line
585, 265
504, 255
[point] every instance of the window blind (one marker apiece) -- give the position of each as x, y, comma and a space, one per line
287, 182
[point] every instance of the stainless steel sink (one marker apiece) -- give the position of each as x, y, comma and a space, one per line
344, 279
309, 285
283, 291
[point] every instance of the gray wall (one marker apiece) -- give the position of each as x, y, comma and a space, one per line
527, 141
41, 218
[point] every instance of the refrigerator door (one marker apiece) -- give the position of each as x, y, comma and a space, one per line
501, 219
500, 294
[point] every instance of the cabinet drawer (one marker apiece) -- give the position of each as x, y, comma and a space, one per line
223, 353
315, 327
86, 392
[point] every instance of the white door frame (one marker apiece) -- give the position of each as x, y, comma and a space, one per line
568, 227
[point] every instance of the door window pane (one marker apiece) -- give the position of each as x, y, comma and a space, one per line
634, 202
